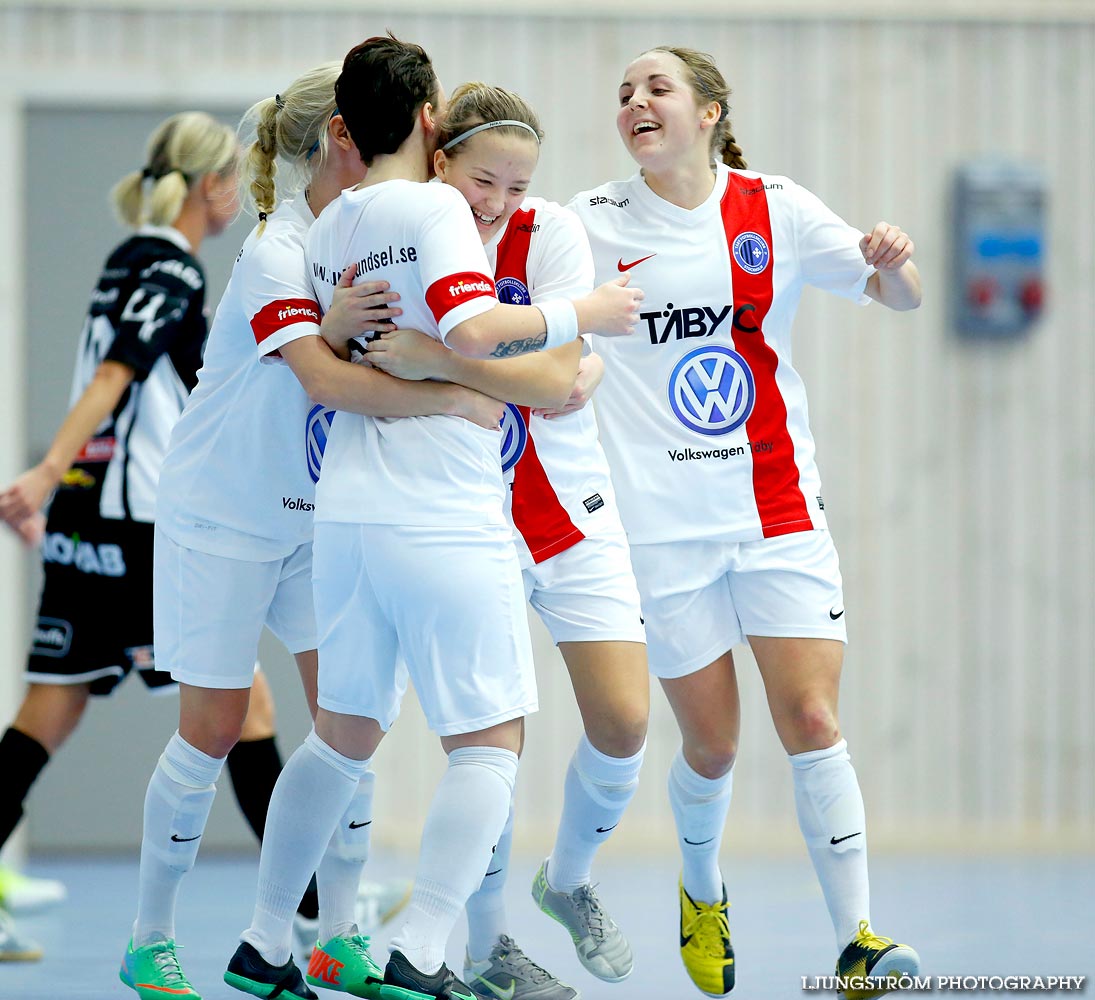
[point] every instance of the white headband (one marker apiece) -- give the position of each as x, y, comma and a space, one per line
480, 128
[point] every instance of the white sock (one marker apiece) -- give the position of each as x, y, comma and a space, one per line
176, 807
699, 807
832, 819
339, 874
311, 794
596, 792
466, 816
486, 907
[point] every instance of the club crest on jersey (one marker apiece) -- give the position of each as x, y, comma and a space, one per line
514, 436
315, 438
512, 291
751, 252
711, 390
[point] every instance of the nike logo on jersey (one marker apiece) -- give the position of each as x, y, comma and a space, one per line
602, 829
698, 843
835, 614
183, 840
495, 872
358, 826
621, 266
838, 840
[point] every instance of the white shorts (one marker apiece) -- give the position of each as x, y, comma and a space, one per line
699, 597
448, 599
208, 611
587, 593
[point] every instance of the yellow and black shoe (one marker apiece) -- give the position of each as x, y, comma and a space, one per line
706, 951
872, 966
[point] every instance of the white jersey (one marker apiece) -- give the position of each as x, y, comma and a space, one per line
703, 416
435, 470
559, 487
235, 481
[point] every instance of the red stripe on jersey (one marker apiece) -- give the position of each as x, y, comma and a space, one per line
538, 515
278, 315
95, 450
780, 503
446, 294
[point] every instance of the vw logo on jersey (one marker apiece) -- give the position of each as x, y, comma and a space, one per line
315, 438
751, 252
711, 390
514, 436
513, 292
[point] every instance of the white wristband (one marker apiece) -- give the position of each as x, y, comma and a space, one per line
561, 319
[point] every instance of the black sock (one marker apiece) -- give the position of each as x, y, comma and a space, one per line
253, 768
22, 758
309, 905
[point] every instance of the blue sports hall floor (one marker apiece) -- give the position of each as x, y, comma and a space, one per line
967, 917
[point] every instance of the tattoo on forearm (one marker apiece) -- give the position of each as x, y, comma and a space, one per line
515, 347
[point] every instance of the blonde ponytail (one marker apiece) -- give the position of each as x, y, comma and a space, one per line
126, 198
285, 138
260, 164
180, 151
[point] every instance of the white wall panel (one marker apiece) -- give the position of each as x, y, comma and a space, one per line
958, 476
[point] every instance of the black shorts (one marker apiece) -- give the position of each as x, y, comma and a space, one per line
95, 616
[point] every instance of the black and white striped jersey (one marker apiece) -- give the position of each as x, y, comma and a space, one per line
147, 312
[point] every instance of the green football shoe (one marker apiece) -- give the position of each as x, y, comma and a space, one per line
344, 964
153, 971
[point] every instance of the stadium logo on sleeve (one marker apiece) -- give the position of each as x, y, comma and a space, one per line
315, 438
513, 292
751, 252
514, 436
711, 390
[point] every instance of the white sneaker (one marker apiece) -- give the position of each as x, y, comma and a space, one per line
23, 894
378, 902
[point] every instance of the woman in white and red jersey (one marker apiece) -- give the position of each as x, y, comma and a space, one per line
574, 556
705, 425
234, 521
413, 554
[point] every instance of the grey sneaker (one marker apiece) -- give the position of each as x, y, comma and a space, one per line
601, 948
509, 974
13, 947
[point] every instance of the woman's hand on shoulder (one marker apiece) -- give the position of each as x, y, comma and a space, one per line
358, 309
